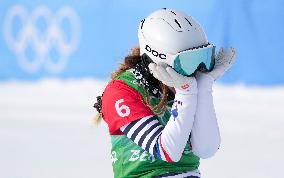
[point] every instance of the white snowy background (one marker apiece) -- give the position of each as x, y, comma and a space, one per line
47, 131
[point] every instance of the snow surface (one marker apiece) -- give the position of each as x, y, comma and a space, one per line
47, 131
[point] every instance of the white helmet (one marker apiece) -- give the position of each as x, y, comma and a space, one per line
166, 32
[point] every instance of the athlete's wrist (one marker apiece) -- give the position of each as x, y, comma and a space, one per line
188, 88
204, 81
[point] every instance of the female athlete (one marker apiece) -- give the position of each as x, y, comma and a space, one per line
159, 105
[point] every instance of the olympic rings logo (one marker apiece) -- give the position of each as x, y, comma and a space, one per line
42, 42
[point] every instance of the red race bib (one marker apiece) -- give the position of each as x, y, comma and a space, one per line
121, 105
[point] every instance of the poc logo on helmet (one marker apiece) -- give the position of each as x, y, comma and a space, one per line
155, 53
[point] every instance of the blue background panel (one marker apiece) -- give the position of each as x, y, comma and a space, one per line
107, 30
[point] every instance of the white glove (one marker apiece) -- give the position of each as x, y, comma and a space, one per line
223, 61
169, 77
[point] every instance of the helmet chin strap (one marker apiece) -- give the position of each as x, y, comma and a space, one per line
146, 60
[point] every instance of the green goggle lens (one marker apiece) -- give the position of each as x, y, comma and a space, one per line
188, 62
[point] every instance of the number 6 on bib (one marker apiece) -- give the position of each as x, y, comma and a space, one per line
122, 110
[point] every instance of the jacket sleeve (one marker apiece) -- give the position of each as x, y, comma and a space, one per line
205, 136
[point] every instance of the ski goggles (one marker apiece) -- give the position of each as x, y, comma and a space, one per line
189, 61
